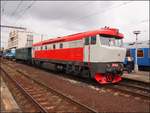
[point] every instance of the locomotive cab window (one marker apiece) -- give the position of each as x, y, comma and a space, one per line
86, 41
140, 53
93, 40
110, 41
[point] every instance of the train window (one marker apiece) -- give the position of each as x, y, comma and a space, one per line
45, 47
54, 46
93, 40
61, 45
41, 47
140, 53
149, 52
86, 41
128, 54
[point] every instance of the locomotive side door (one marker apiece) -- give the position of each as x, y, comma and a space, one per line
87, 49
91, 49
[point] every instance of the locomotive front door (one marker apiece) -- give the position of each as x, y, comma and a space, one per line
87, 49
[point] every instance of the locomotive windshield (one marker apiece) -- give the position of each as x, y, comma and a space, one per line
111, 41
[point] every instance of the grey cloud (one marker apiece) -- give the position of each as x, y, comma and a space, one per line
69, 12
83, 14
71, 17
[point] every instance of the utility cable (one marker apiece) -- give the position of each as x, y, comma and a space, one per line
3, 8
95, 13
18, 6
25, 10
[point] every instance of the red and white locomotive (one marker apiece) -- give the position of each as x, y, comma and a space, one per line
96, 54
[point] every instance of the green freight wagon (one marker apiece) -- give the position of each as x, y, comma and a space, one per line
24, 54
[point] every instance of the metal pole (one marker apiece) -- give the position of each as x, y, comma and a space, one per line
41, 37
136, 64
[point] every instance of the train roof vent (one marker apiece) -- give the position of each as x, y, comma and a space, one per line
106, 27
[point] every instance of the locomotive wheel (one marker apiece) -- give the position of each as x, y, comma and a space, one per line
86, 73
76, 70
59, 68
69, 69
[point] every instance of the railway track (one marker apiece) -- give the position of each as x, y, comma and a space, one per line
131, 90
134, 88
44, 98
131, 87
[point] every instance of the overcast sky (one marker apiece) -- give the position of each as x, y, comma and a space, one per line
60, 18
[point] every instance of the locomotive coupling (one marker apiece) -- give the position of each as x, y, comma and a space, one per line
114, 68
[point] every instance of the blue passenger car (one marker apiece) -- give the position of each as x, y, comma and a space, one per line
143, 54
10, 54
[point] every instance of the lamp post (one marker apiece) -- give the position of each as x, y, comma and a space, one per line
136, 65
41, 37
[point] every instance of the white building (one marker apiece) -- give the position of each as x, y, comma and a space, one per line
20, 39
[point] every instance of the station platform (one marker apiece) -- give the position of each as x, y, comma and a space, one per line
8, 104
142, 76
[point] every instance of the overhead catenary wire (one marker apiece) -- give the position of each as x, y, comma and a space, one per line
78, 18
95, 13
3, 8
81, 18
25, 10
18, 6
90, 15
57, 16
72, 8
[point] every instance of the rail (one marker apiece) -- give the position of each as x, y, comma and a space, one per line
43, 110
54, 91
126, 86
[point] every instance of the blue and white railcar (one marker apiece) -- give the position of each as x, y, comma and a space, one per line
143, 54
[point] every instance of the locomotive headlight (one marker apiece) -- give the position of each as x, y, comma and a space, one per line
114, 65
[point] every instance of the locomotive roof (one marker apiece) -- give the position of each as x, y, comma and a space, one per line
103, 31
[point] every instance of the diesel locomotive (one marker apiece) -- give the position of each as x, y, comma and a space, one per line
97, 54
